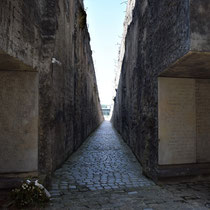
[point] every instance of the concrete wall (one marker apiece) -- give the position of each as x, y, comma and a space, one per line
18, 121
31, 34
165, 38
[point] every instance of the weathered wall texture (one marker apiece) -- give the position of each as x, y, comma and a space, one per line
127, 21
165, 38
32, 33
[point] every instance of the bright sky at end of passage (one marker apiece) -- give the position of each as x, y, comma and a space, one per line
105, 24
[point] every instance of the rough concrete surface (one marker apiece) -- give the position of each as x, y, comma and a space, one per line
49, 38
160, 41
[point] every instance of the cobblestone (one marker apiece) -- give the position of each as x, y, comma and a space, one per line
104, 174
141, 198
104, 161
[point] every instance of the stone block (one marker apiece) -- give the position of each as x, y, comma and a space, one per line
177, 121
184, 127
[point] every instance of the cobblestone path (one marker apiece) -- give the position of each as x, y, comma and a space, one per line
103, 162
104, 174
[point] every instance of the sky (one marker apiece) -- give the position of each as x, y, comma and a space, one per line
105, 24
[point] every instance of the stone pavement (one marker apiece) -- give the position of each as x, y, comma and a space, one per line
104, 174
103, 162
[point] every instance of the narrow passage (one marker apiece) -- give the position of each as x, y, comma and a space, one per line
104, 161
104, 174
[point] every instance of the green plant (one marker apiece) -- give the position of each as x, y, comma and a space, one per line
30, 193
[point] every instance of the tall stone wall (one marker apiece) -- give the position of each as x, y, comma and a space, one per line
50, 39
164, 39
